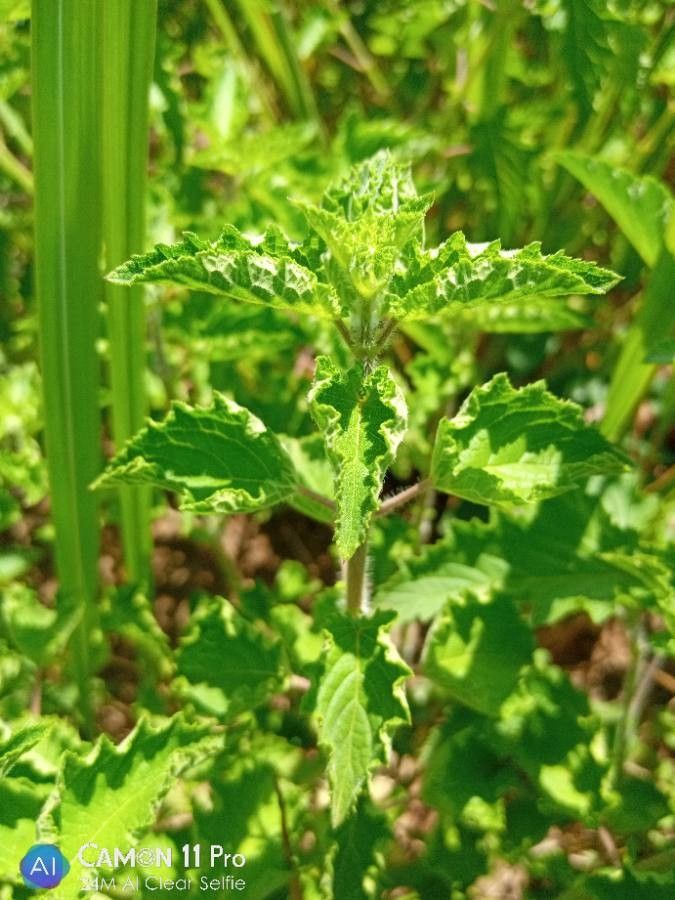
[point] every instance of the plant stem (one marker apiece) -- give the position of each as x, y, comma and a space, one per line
344, 333
128, 52
294, 885
66, 126
362, 55
636, 689
15, 128
356, 580
316, 497
15, 169
386, 333
403, 497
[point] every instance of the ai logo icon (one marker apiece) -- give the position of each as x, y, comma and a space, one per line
44, 866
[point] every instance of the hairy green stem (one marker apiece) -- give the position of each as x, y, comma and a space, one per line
403, 497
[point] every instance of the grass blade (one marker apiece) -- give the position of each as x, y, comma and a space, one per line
270, 31
65, 41
128, 51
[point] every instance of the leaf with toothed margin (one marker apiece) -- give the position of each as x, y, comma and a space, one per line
508, 446
219, 458
378, 185
367, 217
476, 650
362, 418
225, 651
359, 702
13, 748
265, 273
458, 276
109, 795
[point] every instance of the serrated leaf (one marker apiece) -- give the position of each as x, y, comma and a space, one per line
360, 700
12, 749
225, 651
365, 249
566, 556
264, 273
365, 219
219, 458
476, 650
378, 185
458, 275
508, 446
640, 205
109, 795
363, 419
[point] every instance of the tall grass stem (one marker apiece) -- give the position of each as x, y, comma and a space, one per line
65, 91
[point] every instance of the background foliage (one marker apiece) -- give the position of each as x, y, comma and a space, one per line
537, 760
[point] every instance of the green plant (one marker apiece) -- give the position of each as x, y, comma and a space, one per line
66, 84
128, 39
365, 269
643, 209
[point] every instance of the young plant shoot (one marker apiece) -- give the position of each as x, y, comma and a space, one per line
364, 268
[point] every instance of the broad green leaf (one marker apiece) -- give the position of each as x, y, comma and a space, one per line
109, 795
359, 701
458, 275
225, 651
20, 804
38, 632
13, 748
424, 584
566, 556
464, 771
636, 806
476, 650
264, 273
643, 209
508, 446
357, 840
493, 773
537, 315
246, 818
219, 458
640, 205
363, 418
314, 471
